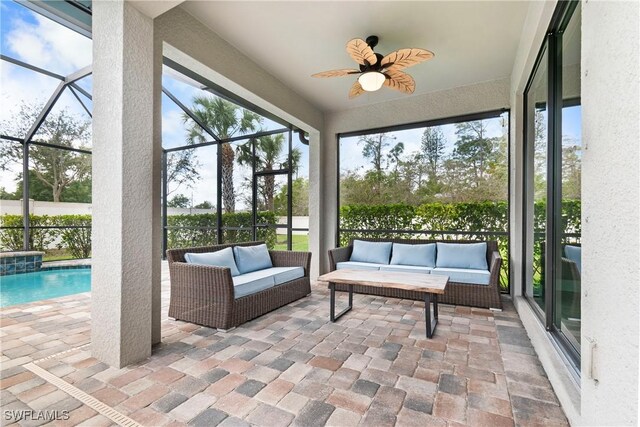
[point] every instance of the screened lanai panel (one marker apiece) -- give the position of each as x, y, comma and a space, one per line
225, 118
60, 176
11, 231
191, 197
176, 131
271, 152
236, 185
300, 196
60, 203
447, 181
272, 220
39, 41
23, 93
86, 83
67, 124
83, 88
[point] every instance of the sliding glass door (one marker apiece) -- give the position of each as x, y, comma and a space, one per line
552, 183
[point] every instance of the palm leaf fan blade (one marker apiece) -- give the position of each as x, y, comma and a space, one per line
361, 52
403, 58
356, 90
400, 81
335, 73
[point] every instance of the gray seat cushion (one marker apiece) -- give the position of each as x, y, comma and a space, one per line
286, 274
407, 268
250, 283
464, 275
355, 265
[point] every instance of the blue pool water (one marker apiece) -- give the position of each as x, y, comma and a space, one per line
28, 287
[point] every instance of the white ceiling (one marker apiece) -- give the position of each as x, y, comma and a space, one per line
473, 41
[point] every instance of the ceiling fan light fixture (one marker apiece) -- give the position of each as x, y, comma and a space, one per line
371, 80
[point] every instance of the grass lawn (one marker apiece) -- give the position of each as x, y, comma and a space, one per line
56, 255
300, 242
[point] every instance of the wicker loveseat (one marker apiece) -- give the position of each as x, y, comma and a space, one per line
205, 295
470, 294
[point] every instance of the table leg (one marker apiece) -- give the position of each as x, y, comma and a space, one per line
332, 297
430, 321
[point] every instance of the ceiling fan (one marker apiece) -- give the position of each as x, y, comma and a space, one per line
377, 70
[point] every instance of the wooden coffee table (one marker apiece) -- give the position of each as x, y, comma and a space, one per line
430, 285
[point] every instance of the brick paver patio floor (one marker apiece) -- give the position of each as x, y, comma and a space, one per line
374, 367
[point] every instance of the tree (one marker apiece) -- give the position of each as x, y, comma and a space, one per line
179, 201
394, 155
182, 169
224, 119
270, 155
433, 144
540, 154
299, 199
473, 150
204, 205
571, 170
57, 169
77, 192
373, 148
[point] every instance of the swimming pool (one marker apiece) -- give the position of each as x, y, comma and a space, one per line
28, 287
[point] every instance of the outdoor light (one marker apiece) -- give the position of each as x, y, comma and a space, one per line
371, 80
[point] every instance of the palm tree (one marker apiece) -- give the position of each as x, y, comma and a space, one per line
225, 119
268, 158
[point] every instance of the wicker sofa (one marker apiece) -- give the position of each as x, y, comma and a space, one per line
205, 295
475, 295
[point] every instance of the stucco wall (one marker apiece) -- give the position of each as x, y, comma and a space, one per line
458, 101
610, 213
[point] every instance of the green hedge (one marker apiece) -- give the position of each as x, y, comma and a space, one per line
205, 225
77, 241
477, 220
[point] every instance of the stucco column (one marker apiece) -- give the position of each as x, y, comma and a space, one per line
610, 213
316, 205
123, 188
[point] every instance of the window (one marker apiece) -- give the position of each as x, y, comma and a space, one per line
552, 184
446, 179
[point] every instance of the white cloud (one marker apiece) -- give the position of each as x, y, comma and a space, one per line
45, 44
49, 45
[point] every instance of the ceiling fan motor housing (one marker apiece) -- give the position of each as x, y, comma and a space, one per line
372, 67
372, 41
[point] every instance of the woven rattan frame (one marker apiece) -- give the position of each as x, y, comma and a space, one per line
204, 295
486, 296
